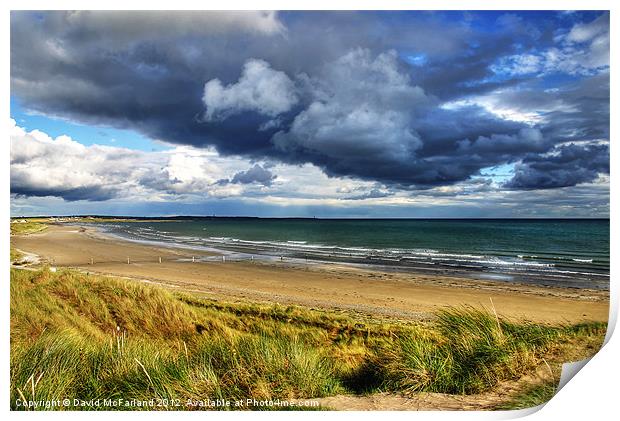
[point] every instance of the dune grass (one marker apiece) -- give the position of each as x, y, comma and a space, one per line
16, 255
532, 396
470, 353
28, 227
88, 337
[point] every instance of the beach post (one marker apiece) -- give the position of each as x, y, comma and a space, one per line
92, 261
128, 261
224, 259
159, 259
252, 257
193, 260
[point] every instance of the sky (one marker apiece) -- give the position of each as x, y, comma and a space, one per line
446, 114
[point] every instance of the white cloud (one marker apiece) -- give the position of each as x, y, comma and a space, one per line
516, 104
42, 166
260, 88
521, 64
362, 107
583, 32
62, 167
583, 51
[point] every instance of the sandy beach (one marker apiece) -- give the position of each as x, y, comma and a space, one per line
337, 287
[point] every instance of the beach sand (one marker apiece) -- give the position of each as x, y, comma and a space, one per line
365, 293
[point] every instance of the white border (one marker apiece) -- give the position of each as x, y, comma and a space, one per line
592, 393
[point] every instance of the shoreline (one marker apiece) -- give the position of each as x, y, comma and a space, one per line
517, 265
410, 296
479, 276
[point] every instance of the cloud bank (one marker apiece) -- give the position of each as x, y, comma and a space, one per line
401, 103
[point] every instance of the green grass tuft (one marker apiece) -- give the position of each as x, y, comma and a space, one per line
471, 352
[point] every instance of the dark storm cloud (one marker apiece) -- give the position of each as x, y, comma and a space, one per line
345, 95
567, 166
89, 193
577, 111
372, 194
585, 114
256, 174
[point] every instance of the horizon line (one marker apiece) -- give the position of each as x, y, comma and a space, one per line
307, 217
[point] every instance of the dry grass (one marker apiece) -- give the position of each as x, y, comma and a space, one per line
28, 227
90, 337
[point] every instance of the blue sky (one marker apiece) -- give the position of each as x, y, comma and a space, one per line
82, 133
343, 114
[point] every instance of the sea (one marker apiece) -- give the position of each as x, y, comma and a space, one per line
570, 253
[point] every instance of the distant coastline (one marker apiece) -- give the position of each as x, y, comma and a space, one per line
199, 217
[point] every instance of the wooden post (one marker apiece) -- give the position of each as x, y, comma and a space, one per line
92, 261
128, 261
160, 259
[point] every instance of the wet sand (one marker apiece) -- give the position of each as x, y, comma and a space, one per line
337, 287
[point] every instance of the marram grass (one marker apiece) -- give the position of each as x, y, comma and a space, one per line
27, 227
471, 351
88, 337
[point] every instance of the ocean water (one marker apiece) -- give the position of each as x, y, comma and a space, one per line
559, 252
